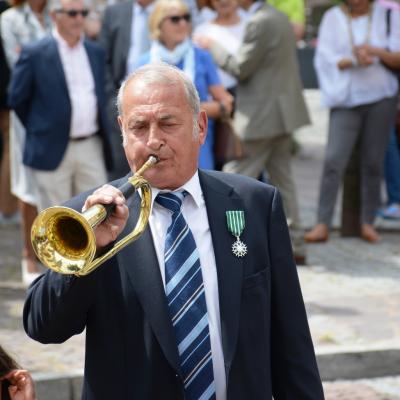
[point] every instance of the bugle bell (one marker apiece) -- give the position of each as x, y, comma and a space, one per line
64, 239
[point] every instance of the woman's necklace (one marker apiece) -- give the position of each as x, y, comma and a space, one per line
349, 18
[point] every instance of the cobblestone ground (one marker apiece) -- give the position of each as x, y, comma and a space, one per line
373, 389
352, 293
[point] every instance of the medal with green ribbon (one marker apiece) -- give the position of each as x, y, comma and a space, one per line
235, 222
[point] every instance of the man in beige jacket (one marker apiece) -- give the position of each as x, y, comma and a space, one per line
269, 103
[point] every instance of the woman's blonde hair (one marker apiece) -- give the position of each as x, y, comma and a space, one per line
160, 11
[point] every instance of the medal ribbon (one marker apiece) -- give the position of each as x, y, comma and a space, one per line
235, 222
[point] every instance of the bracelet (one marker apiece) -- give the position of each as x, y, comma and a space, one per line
222, 110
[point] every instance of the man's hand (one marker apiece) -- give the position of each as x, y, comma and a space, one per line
112, 226
22, 386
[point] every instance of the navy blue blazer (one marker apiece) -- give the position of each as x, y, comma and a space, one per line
131, 353
38, 93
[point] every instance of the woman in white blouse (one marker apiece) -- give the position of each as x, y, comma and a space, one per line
353, 54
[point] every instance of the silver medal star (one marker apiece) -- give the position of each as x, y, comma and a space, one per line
239, 249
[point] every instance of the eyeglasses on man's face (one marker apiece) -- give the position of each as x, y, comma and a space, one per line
176, 19
73, 13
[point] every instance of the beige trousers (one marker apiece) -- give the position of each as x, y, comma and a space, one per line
81, 169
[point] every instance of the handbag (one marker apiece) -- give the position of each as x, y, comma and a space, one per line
227, 145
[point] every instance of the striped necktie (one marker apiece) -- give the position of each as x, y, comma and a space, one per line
184, 289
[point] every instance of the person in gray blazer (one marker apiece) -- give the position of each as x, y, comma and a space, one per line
269, 102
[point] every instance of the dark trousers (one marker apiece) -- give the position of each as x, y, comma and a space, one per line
371, 123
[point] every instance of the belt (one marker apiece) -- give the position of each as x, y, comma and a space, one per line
80, 138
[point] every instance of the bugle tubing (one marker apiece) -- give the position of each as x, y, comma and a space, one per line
64, 239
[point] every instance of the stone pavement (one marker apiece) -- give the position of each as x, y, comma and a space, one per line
351, 290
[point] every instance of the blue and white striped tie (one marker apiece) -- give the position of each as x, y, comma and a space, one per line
184, 289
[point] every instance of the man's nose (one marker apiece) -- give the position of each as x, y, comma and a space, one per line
155, 139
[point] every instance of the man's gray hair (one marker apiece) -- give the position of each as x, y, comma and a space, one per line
164, 74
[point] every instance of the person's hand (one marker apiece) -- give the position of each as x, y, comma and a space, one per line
345, 63
367, 50
22, 386
203, 41
365, 55
112, 226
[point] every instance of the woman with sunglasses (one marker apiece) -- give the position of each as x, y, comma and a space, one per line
23, 23
15, 383
170, 28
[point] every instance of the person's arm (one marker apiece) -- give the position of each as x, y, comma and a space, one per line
333, 60
222, 101
389, 53
57, 306
389, 58
330, 55
21, 85
294, 368
259, 40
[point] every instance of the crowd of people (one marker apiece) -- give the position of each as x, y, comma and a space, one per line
155, 78
61, 97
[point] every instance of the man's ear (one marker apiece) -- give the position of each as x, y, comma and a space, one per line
119, 119
202, 125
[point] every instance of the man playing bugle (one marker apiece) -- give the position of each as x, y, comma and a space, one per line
206, 304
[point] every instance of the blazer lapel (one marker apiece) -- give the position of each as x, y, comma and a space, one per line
54, 60
139, 259
219, 198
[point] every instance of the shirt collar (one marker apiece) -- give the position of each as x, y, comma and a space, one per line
62, 42
192, 186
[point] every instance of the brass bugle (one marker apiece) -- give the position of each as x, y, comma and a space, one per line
64, 239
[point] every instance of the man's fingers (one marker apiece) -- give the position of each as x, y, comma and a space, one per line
106, 194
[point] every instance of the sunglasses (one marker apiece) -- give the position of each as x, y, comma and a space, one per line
175, 19
74, 13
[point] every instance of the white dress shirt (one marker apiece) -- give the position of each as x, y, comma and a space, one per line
195, 213
81, 88
358, 85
